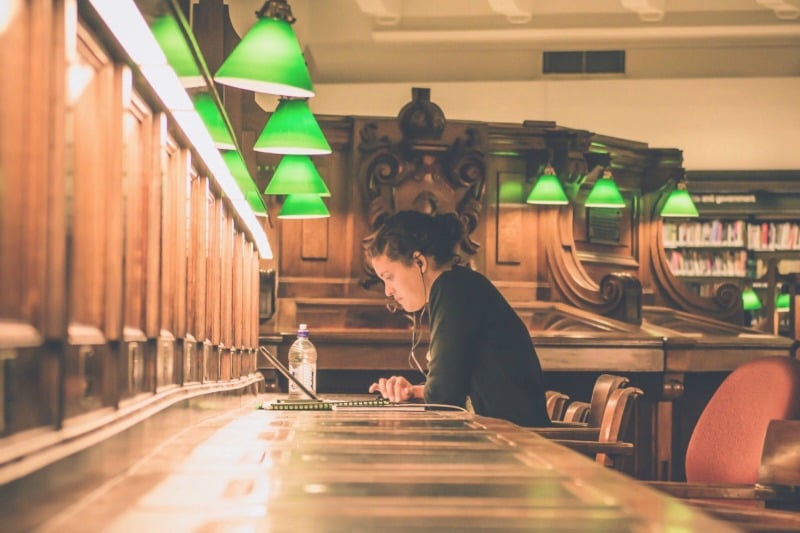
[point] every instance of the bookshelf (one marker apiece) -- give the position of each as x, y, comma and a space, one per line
739, 238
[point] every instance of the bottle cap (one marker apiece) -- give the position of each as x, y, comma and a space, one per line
303, 327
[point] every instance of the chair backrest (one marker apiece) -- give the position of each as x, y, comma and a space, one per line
603, 387
556, 404
780, 460
577, 412
616, 420
727, 442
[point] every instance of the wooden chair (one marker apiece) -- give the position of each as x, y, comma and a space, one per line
614, 426
577, 412
556, 404
743, 434
582, 418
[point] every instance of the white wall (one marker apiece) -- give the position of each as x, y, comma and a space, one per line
720, 124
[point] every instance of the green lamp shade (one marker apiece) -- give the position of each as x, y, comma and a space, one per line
303, 206
179, 56
255, 201
605, 194
679, 204
207, 108
292, 129
750, 300
268, 60
243, 179
296, 174
782, 302
548, 191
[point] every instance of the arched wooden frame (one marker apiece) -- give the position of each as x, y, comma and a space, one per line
725, 305
618, 295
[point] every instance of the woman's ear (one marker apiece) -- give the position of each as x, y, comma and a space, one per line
421, 261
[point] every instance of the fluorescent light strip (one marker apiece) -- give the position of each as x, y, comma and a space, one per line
127, 24
168, 86
251, 220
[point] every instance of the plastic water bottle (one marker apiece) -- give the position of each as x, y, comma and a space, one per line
302, 363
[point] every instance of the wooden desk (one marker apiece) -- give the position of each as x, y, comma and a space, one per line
381, 470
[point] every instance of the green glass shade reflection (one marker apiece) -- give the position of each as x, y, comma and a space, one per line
548, 191
782, 302
207, 108
268, 60
303, 206
750, 300
292, 129
679, 204
179, 56
296, 174
510, 192
605, 194
255, 201
243, 179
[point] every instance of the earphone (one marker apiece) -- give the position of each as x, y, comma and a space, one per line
418, 261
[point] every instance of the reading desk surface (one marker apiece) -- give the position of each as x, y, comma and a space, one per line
225, 466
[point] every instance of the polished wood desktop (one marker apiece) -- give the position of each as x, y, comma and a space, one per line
383, 470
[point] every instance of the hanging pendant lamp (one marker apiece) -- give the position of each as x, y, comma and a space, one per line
207, 108
269, 59
296, 174
179, 56
605, 193
303, 206
548, 190
239, 171
750, 300
292, 129
679, 203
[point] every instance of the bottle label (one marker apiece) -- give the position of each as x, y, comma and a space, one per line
306, 374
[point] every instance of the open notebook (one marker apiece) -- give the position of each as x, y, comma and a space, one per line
315, 403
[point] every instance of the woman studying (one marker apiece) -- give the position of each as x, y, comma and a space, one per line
480, 350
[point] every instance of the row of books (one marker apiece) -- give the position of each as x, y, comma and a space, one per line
708, 233
763, 236
773, 236
702, 263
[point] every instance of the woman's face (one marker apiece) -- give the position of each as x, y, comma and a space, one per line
402, 282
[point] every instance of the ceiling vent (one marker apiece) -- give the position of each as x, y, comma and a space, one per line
586, 62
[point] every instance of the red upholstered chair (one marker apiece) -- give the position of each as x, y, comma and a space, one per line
725, 449
727, 441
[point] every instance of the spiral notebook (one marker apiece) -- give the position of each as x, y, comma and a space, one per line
315, 403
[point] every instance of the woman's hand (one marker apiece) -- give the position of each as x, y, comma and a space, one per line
395, 389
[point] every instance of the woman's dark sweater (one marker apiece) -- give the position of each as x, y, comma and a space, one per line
481, 348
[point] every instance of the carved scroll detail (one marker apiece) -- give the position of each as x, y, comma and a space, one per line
617, 296
725, 305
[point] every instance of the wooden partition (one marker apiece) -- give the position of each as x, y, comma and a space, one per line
127, 279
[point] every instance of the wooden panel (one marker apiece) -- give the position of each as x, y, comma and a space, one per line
114, 221
226, 307
214, 299
510, 204
137, 129
237, 289
314, 239
89, 189
154, 147
55, 294
198, 257
172, 167
183, 172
